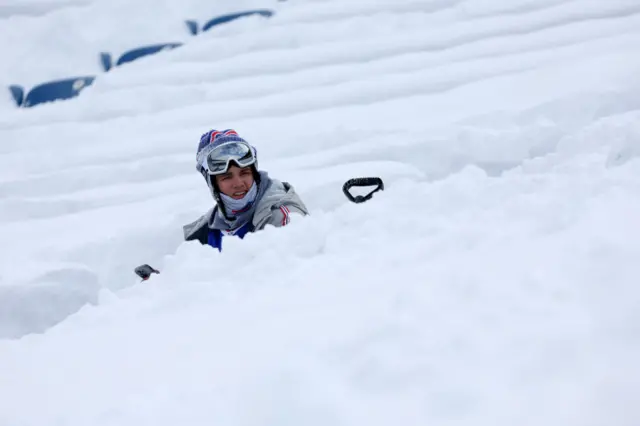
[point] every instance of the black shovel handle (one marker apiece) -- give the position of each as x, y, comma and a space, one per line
363, 181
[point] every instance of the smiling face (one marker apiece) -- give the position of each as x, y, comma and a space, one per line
236, 182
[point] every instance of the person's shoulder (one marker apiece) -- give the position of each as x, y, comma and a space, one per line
277, 188
199, 228
277, 204
276, 194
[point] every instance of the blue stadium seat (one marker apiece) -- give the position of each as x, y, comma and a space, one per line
105, 60
233, 16
137, 53
223, 19
18, 94
56, 90
193, 26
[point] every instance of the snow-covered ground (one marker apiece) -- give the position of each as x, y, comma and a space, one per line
495, 281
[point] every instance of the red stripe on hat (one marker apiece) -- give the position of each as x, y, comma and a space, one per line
230, 132
213, 136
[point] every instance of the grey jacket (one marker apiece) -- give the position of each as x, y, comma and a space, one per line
276, 200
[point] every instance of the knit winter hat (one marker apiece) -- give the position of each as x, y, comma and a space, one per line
211, 140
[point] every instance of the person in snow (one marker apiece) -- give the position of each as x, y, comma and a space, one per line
247, 199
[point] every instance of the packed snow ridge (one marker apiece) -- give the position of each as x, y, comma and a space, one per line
493, 282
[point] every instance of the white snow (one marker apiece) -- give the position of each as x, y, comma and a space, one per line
495, 281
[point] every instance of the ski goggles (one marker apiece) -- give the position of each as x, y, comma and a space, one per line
217, 160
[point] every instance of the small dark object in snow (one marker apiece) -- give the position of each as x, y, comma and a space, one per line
145, 271
365, 181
